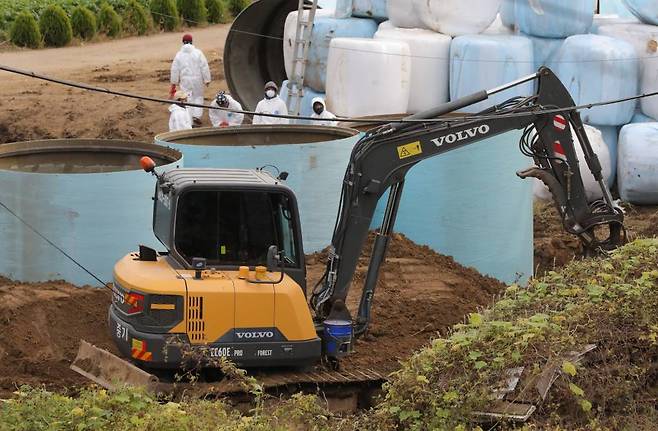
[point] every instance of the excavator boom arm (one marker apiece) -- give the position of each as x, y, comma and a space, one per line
381, 160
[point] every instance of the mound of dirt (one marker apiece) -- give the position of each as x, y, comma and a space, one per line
419, 295
42, 325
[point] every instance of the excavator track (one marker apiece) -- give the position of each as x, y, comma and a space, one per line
351, 387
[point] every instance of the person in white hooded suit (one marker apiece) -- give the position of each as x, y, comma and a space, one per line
321, 116
271, 104
190, 71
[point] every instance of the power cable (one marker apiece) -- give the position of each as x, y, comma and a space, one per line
374, 121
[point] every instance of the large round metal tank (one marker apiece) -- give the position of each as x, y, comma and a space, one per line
87, 196
251, 60
315, 157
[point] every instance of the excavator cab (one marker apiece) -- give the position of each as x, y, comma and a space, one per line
211, 294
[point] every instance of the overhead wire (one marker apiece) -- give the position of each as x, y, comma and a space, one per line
374, 121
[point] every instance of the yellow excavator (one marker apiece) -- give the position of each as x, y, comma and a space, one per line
232, 281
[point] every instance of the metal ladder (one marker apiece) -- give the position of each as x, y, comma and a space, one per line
300, 55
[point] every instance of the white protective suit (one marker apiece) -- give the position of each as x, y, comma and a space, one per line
190, 71
219, 117
180, 118
323, 119
276, 106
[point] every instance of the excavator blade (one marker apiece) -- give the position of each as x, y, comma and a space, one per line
108, 370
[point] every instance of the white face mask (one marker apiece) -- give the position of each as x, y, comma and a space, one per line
270, 94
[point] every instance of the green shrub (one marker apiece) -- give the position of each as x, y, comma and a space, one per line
237, 6
83, 22
25, 31
135, 18
165, 14
217, 12
109, 21
193, 11
55, 26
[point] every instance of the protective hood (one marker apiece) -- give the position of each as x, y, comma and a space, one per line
318, 100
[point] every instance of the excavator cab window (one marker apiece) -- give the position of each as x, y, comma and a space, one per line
232, 228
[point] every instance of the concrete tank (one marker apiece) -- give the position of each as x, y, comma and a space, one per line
315, 157
87, 196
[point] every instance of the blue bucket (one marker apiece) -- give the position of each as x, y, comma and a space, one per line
337, 338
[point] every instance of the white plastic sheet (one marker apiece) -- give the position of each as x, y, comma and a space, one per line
611, 138
601, 20
481, 62
637, 167
403, 13
498, 27
639, 117
457, 17
375, 9
430, 65
368, 77
598, 68
554, 18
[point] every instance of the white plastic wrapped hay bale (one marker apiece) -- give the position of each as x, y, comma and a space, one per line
598, 68
368, 77
290, 32
637, 166
592, 188
430, 65
507, 14
481, 62
544, 49
325, 28
457, 17
403, 13
645, 40
645, 10
554, 18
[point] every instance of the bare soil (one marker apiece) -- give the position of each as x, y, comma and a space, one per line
419, 295
33, 109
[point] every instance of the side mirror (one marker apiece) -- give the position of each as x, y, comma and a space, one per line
273, 259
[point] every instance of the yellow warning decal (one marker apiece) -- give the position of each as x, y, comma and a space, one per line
409, 150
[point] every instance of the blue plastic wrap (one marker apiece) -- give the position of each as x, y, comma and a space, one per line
554, 18
324, 30
645, 10
637, 171
375, 9
598, 68
544, 49
470, 204
614, 7
481, 62
639, 117
507, 14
